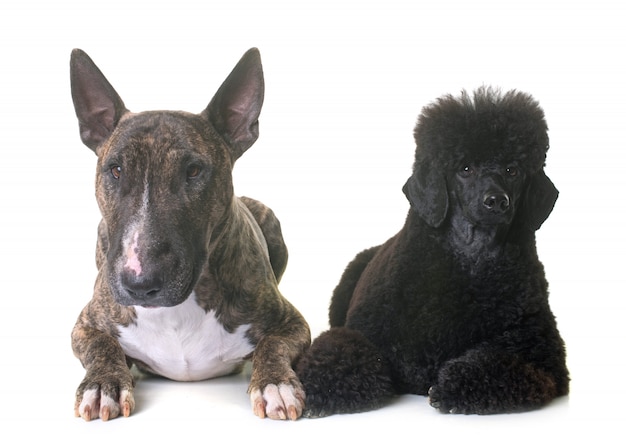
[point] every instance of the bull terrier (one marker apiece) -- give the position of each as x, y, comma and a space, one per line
187, 284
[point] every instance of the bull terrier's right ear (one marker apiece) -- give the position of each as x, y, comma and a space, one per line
97, 105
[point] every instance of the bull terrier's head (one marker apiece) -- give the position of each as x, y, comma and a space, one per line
163, 179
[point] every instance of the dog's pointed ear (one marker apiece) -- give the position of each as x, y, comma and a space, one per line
427, 192
97, 105
235, 108
541, 195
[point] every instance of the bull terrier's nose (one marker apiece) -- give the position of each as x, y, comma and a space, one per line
142, 288
497, 202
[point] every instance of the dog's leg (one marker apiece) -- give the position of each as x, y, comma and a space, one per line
107, 388
270, 226
343, 372
487, 381
275, 390
245, 277
342, 295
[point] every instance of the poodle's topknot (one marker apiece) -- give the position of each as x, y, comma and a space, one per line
487, 124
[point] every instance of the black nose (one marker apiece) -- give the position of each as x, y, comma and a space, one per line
497, 202
142, 288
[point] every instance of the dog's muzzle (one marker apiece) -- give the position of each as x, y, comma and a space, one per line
162, 281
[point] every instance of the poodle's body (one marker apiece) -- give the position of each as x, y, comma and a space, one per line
455, 305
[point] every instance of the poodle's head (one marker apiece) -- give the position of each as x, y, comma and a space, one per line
487, 151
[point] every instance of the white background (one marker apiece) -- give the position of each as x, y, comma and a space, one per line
345, 82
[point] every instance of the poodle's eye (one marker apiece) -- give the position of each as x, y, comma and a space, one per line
512, 171
466, 171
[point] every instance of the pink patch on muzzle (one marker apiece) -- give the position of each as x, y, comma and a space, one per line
132, 257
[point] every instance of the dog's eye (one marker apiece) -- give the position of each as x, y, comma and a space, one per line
512, 171
466, 171
193, 171
116, 172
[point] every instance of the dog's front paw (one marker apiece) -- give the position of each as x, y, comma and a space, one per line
459, 389
486, 383
282, 401
437, 400
104, 400
343, 372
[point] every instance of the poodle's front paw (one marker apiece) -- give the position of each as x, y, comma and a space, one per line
436, 400
484, 383
343, 372
459, 390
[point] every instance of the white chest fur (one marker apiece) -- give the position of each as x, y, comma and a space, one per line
184, 342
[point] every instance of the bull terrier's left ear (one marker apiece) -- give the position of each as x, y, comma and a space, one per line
235, 108
97, 105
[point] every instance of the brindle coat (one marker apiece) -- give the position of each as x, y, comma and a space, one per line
174, 240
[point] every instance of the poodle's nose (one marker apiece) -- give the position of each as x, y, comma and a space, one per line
497, 202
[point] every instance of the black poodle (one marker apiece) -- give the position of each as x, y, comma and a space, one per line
455, 305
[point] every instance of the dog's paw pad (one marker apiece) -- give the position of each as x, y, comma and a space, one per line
280, 402
95, 404
435, 400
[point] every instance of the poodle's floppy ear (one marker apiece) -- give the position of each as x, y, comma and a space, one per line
427, 192
541, 195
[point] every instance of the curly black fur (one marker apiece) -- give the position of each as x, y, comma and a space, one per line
455, 305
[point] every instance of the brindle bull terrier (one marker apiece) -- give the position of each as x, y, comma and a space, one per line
188, 273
